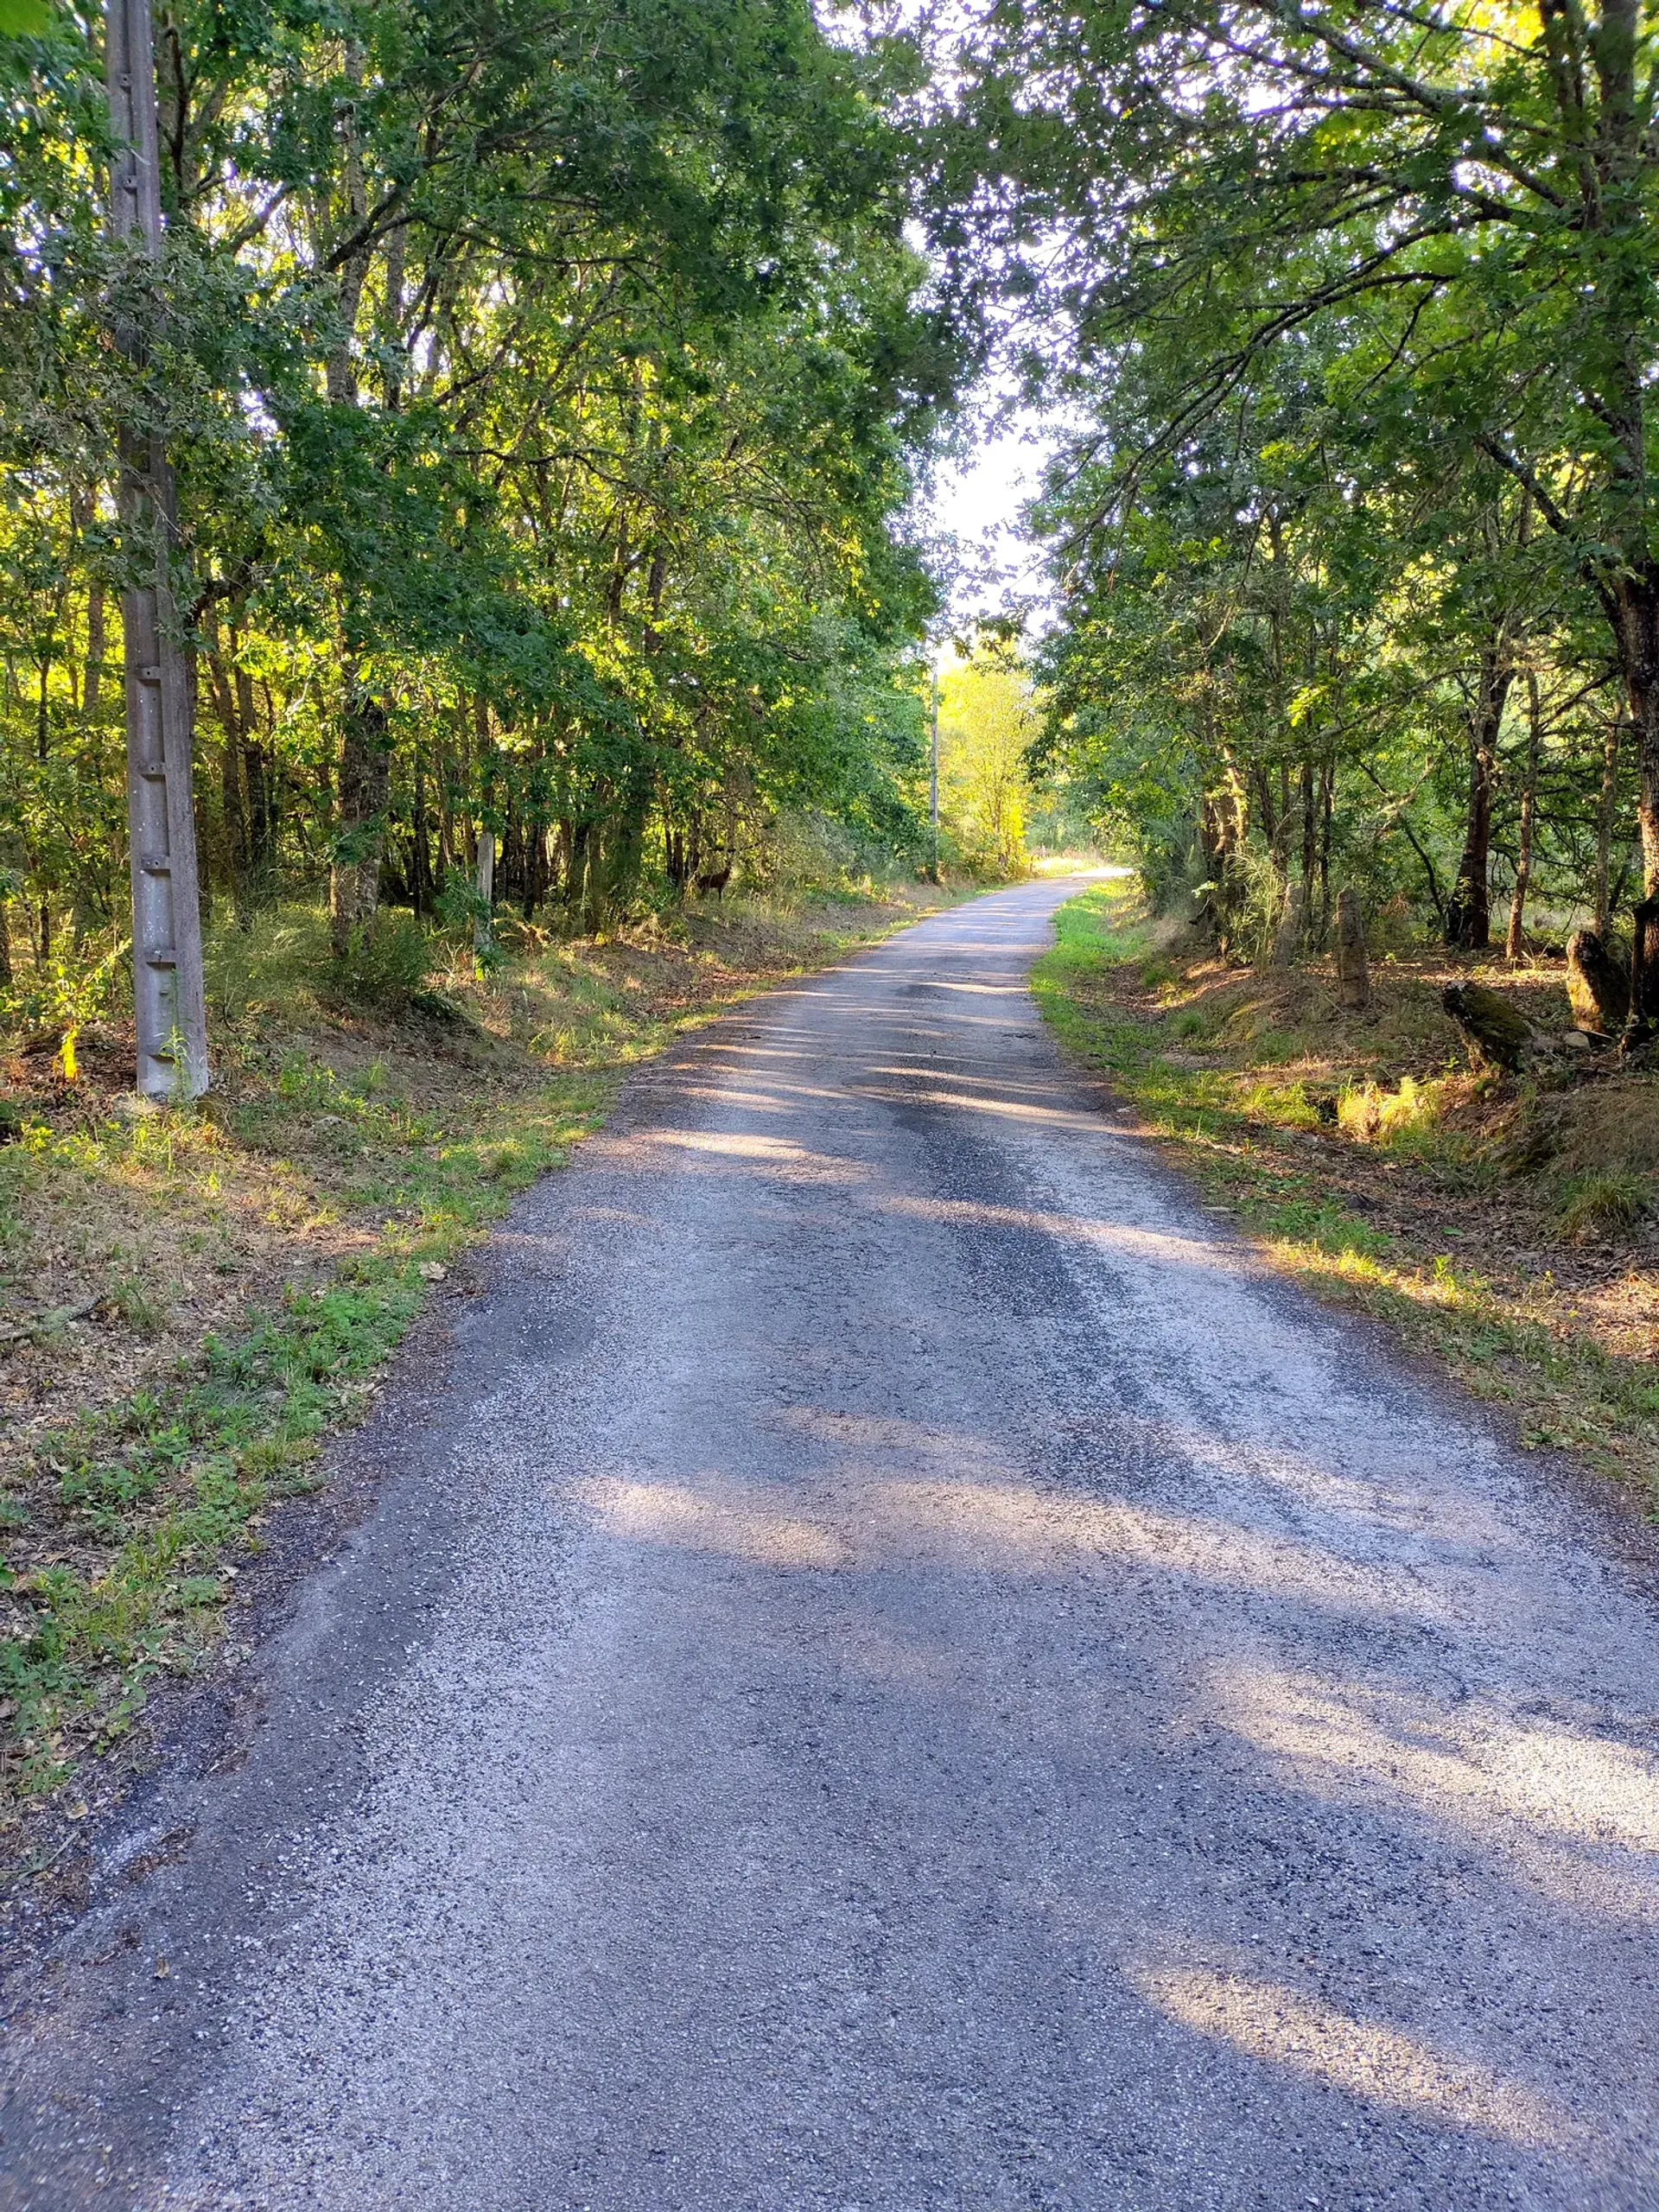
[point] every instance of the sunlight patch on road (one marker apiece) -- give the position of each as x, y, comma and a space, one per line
1003, 1109
1286, 2027
1111, 1236
773, 1153
742, 1523
871, 1522
730, 1094
995, 1092
1009, 1525
1575, 1812
1016, 990
783, 1098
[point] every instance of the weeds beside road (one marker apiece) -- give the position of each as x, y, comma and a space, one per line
1507, 1230
192, 1300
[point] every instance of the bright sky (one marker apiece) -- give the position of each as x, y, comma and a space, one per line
978, 501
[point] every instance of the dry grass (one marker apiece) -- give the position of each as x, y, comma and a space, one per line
191, 1298
1511, 1230
129, 1235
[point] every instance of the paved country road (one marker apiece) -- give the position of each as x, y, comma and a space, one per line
894, 1670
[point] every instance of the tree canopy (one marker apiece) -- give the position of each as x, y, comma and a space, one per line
548, 388
545, 387
1351, 311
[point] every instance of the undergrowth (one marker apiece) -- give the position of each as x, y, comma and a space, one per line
192, 1300
1398, 1213
145, 1503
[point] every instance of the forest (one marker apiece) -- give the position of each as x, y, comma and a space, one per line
1350, 314
549, 395
541, 390
473, 611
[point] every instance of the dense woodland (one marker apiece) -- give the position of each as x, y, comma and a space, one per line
1350, 311
550, 387
544, 386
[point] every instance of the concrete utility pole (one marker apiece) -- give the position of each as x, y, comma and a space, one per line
482, 918
934, 762
167, 1003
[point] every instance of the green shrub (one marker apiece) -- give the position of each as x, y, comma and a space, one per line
385, 962
1374, 1114
1603, 1204
274, 963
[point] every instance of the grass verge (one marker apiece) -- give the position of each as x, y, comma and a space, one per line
1506, 1232
192, 1299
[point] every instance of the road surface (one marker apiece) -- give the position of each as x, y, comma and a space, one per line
893, 1670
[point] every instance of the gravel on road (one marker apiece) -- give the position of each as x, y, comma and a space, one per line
893, 1669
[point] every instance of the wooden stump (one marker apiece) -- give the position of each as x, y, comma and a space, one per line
1496, 1030
1353, 972
1287, 937
1596, 985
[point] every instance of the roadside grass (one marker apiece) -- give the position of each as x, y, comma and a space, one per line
193, 1298
1507, 1232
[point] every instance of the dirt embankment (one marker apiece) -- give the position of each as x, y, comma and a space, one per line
1509, 1225
191, 1300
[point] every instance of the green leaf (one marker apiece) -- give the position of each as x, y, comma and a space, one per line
25, 18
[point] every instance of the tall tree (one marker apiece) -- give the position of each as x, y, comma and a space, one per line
1464, 195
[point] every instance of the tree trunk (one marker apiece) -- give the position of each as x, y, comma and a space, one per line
536, 869
394, 361
1496, 1030
236, 827
446, 825
420, 866
261, 787
365, 783
1468, 914
1271, 820
1353, 971
1634, 603
243, 786
1646, 701
364, 768
1221, 830
485, 885
42, 753
93, 691
1528, 806
1287, 938
1606, 815
88, 877
1644, 1022
340, 371
192, 661
1596, 988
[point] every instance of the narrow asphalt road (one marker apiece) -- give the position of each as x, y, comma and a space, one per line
897, 1671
